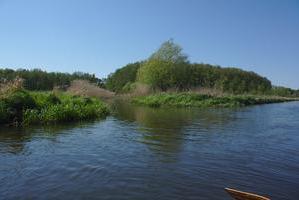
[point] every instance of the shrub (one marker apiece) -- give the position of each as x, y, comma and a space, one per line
27, 108
14, 104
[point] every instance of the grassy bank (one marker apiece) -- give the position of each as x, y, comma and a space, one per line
201, 100
21, 107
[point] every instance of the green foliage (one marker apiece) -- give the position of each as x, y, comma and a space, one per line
129, 87
27, 108
170, 52
121, 77
13, 104
156, 73
67, 109
168, 68
230, 80
45, 99
199, 100
31, 116
20, 100
183, 76
285, 92
37, 79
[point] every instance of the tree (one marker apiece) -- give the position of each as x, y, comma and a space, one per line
165, 68
122, 77
156, 73
170, 52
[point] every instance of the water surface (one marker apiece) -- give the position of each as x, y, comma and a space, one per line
145, 153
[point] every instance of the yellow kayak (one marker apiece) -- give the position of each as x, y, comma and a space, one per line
239, 195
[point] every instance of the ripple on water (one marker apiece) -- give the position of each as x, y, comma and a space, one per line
142, 153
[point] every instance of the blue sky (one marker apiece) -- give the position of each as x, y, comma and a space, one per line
101, 36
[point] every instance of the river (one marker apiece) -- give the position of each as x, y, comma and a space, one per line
145, 153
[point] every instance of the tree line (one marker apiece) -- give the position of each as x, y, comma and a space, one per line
285, 92
169, 68
38, 79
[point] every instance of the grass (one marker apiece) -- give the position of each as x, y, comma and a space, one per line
190, 99
21, 107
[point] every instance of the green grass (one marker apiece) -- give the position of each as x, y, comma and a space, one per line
200, 100
21, 107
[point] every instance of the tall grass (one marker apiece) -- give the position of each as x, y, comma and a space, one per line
7, 88
83, 87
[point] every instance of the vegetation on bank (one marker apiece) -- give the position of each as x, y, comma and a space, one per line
21, 107
38, 80
169, 69
122, 78
189, 99
166, 69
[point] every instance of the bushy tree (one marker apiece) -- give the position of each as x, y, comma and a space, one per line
122, 77
165, 68
170, 52
156, 73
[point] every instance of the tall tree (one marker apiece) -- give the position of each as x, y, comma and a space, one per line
170, 52
165, 68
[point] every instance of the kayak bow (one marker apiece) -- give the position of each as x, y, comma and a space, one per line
239, 195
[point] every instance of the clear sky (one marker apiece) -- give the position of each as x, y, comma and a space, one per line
100, 36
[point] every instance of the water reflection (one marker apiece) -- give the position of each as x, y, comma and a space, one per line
165, 129
162, 130
13, 139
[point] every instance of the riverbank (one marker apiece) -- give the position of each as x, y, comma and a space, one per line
190, 99
21, 108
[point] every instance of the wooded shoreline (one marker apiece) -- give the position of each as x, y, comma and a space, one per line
166, 79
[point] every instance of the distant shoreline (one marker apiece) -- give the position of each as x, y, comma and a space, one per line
191, 99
